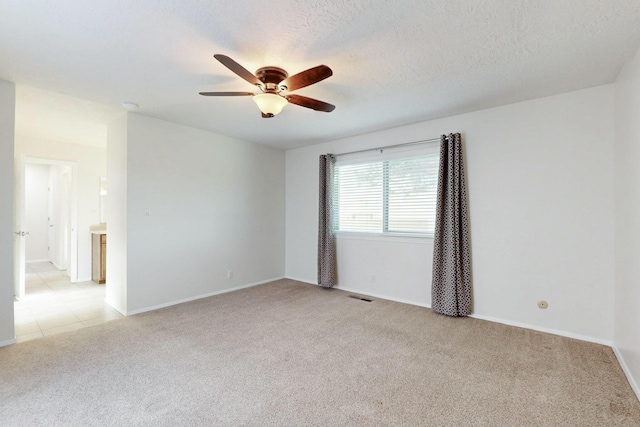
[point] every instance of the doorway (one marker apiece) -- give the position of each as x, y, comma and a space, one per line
49, 298
49, 186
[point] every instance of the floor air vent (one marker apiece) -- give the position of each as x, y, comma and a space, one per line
360, 298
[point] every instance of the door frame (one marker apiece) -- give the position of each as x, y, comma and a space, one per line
18, 228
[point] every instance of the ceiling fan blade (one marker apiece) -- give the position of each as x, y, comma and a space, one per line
308, 77
238, 69
314, 104
227, 93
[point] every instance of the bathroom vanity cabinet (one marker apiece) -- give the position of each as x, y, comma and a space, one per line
99, 257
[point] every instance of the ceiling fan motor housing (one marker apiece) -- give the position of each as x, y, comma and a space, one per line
271, 78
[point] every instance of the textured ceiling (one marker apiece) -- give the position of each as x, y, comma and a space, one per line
394, 62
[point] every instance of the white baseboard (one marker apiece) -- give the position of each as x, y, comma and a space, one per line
309, 282
542, 329
33, 261
7, 342
210, 294
478, 316
385, 297
365, 293
627, 372
116, 307
57, 266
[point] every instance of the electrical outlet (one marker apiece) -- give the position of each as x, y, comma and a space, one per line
543, 304
373, 278
229, 274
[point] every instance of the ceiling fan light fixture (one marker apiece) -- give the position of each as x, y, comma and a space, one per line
270, 104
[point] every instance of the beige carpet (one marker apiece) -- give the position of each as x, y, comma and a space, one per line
290, 354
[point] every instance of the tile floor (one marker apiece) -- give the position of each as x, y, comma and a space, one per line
53, 304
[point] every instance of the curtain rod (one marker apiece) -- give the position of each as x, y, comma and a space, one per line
390, 146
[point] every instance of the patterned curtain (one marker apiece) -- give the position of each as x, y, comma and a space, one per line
451, 283
326, 238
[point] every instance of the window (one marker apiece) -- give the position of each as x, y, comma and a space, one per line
390, 193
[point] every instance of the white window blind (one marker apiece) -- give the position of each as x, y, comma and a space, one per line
394, 193
359, 192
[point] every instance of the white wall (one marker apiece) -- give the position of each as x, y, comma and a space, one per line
627, 220
92, 164
7, 124
540, 177
214, 204
36, 200
116, 292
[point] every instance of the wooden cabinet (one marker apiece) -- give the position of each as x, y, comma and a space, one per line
99, 258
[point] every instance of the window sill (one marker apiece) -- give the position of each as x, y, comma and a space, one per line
385, 237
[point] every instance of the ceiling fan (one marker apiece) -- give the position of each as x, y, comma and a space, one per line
275, 84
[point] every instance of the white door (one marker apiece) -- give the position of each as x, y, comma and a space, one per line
18, 228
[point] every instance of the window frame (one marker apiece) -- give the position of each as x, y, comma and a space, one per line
428, 148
